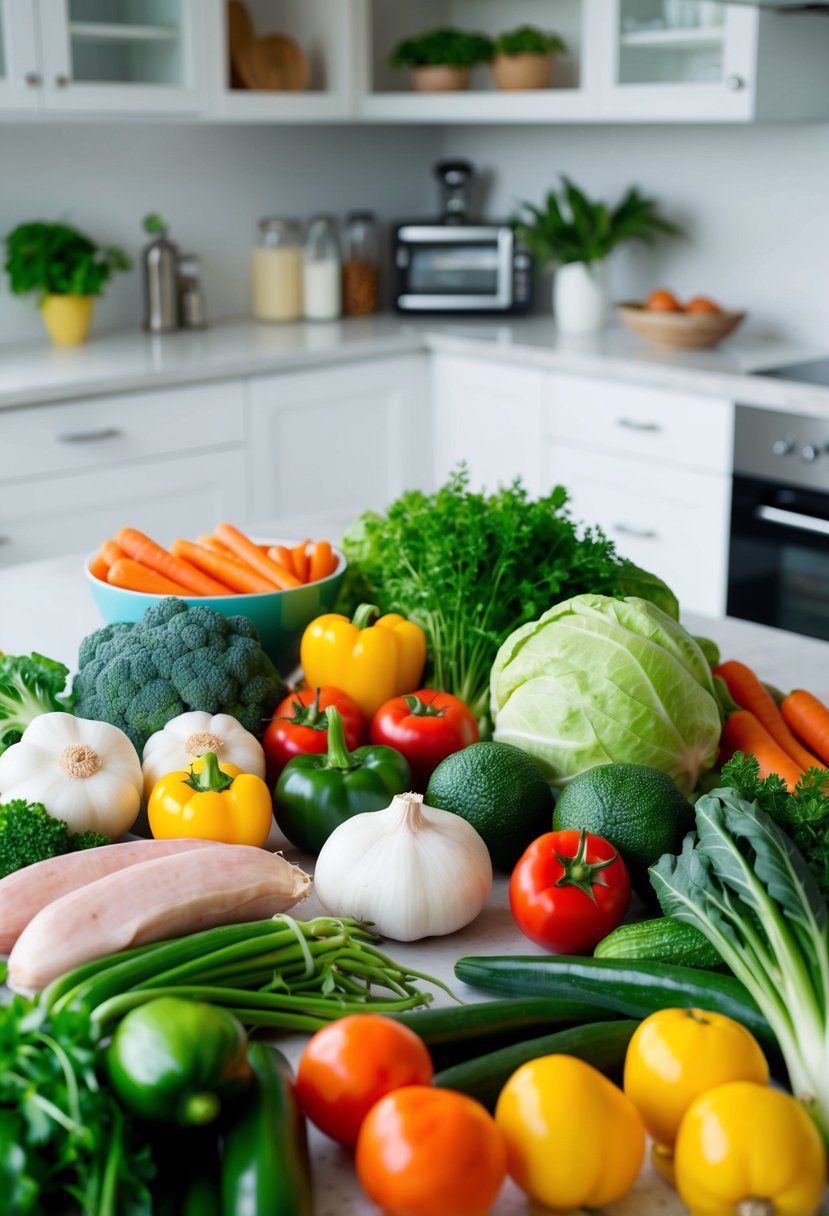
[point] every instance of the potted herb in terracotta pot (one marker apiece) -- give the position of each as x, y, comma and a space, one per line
441, 60
68, 271
576, 236
524, 58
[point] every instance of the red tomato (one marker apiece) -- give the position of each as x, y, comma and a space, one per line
431, 1152
568, 891
298, 726
426, 726
350, 1064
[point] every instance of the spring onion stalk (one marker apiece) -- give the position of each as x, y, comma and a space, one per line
282, 973
743, 883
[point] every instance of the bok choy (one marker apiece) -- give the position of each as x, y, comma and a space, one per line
742, 882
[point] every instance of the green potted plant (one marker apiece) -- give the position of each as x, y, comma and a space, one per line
577, 236
441, 60
67, 269
524, 58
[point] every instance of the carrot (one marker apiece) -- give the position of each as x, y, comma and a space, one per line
244, 547
282, 557
142, 549
111, 552
750, 694
132, 576
98, 567
235, 575
323, 561
809, 719
743, 732
302, 562
209, 541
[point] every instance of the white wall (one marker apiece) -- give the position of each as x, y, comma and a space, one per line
210, 183
754, 201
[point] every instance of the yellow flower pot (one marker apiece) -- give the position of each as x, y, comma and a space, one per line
67, 318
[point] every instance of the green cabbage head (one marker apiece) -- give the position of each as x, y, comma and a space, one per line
599, 680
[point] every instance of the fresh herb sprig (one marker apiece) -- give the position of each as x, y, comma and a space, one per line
54, 259
529, 40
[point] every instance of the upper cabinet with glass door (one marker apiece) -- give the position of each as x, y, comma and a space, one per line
702, 60
141, 56
19, 65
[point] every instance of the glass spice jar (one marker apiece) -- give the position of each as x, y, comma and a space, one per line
361, 268
322, 272
276, 271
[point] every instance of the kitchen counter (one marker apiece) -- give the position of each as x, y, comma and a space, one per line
134, 361
48, 607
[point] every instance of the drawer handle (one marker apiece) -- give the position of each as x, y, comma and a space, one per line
639, 533
630, 425
105, 432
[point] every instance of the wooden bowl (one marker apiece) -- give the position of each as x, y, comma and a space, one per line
273, 64
240, 34
679, 330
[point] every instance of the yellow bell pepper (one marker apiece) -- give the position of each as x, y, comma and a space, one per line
573, 1139
749, 1150
372, 658
677, 1054
211, 802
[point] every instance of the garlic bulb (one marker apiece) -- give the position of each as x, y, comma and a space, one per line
183, 739
412, 870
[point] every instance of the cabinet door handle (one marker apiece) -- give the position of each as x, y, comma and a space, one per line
32, 79
734, 83
62, 81
105, 432
639, 533
629, 424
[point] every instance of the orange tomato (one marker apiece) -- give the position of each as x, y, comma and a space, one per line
663, 301
702, 304
431, 1152
350, 1064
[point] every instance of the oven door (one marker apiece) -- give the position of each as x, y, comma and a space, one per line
778, 569
453, 268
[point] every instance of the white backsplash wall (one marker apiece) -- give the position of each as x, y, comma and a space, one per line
753, 199
211, 184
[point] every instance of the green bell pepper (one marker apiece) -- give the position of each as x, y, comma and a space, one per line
316, 793
174, 1060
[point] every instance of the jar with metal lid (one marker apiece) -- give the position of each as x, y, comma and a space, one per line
361, 268
322, 270
276, 271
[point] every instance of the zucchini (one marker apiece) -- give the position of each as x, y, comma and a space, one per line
631, 988
662, 940
265, 1166
457, 1033
602, 1044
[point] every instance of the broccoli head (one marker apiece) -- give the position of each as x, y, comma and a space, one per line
28, 833
174, 659
30, 685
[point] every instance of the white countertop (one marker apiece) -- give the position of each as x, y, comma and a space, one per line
134, 361
47, 606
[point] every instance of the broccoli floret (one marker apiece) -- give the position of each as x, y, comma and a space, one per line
30, 685
87, 840
28, 833
174, 659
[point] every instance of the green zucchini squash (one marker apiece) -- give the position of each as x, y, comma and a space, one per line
661, 940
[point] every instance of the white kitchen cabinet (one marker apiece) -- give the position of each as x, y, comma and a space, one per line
699, 60
343, 439
20, 77
489, 415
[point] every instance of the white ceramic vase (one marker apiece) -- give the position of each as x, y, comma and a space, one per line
580, 297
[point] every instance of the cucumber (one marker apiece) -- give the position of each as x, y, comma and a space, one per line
631, 988
602, 1044
457, 1033
662, 940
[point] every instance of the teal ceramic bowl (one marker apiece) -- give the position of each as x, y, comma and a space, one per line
280, 617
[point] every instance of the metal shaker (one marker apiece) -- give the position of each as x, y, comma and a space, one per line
160, 265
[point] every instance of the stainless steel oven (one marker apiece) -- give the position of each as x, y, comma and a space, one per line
778, 571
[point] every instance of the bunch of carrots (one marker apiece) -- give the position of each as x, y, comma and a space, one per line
787, 739
226, 562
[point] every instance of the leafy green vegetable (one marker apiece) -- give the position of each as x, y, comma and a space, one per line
30, 685
65, 1144
596, 681
804, 815
445, 46
53, 259
528, 40
743, 883
470, 567
28, 833
591, 230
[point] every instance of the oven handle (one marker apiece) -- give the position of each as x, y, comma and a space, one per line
792, 519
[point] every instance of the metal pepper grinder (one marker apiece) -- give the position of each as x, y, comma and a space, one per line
160, 262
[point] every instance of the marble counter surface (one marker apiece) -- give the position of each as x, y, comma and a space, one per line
134, 361
47, 606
